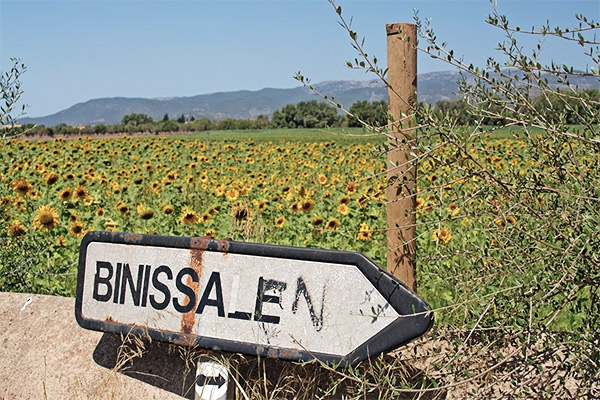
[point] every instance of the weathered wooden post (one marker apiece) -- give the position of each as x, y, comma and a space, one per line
402, 172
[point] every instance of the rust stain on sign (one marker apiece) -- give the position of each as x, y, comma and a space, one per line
132, 237
188, 320
203, 243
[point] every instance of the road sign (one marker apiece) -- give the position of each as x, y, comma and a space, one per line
277, 301
211, 381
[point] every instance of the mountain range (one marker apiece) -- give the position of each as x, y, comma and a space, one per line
246, 104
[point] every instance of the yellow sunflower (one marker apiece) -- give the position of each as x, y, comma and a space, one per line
51, 178
442, 235
122, 207
317, 221
166, 208
46, 218
16, 228
332, 224
343, 209
144, 213
189, 217
210, 233
65, 194
80, 192
307, 205
76, 229
364, 233
344, 200
280, 222
22, 186
453, 209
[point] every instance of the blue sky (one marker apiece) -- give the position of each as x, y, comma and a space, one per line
79, 50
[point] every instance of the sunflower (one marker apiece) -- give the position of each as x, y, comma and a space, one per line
453, 209
189, 217
51, 178
16, 228
220, 190
205, 217
80, 192
296, 206
61, 241
344, 200
352, 188
332, 224
22, 186
110, 225
99, 212
364, 233
307, 205
232, 194
46, 218
144, 213
420, 203
322, 179
210, 233
317, 221
442, 235
166, 208
122, 207
362, 201
65, 194
76, 229
262, 205
280, 222
343, 209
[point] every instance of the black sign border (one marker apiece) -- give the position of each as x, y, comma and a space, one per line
416, 318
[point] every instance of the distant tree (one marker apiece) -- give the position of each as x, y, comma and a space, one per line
136, 119
306, 114
202, 124
168, 126
100, 129
374, 114
261, 122
226, 124
165, 118
181, 119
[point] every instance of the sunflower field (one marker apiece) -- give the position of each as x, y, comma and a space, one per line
315, 194
311, 193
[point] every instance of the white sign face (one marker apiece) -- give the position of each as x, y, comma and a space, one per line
326, 308
224, 297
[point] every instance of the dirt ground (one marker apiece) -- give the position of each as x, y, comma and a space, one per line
45, 354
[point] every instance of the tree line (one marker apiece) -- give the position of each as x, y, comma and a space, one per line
557, 106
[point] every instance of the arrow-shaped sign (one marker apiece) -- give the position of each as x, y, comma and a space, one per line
277, 301
211, 380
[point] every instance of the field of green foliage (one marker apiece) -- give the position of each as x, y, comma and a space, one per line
302, 188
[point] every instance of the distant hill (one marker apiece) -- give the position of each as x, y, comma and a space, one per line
245, 104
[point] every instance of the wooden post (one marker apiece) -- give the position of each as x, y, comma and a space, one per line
402, 172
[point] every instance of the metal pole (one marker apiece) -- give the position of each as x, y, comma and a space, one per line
402, 172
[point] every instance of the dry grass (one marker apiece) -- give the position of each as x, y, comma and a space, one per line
441, 365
